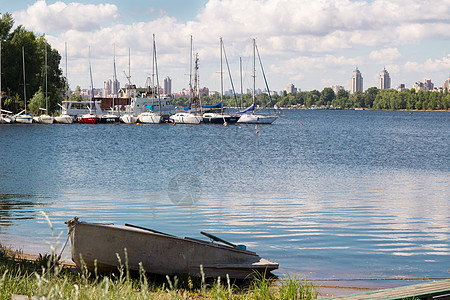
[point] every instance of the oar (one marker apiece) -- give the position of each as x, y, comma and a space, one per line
218, 239
148, 229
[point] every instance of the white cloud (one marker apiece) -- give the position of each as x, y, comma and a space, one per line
61, 17
385, 56
299, 40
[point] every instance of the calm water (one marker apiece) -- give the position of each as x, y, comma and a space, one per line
327, 194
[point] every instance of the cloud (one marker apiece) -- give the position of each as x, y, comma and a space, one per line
59, 16
386, 55
299, 40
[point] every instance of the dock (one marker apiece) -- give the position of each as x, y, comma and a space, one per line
423, 291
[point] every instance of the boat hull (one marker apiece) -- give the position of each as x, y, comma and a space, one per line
88, 119
128, 119
257, 119
214, 118
159, 253
24, 119
149, 118
44, 119
186, 118
64, 119
105, 119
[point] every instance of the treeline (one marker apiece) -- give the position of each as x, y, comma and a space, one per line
372, 98
12, 82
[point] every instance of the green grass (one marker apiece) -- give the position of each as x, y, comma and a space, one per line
46, 277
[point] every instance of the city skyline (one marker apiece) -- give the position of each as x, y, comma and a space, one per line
297, 43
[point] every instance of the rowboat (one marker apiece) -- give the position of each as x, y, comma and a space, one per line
97, 247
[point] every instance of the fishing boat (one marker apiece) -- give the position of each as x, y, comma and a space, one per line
96, 247
248, 115
23, 117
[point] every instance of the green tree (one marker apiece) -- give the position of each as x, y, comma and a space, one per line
37, 102
369, 96
327, 96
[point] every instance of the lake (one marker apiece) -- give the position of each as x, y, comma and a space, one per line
325, 193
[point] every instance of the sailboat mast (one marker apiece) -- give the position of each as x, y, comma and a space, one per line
115, 91
92, 83
1, 76
67, 81
221, 77
254, 74
46, 82
190, 75
242, 92
157, 77
24, 84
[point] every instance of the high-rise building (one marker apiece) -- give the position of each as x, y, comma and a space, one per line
337, 88
429, 86
167, 86
446, 85
384, 81
291, 89
357, 81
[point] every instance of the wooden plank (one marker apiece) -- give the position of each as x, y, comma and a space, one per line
422, 291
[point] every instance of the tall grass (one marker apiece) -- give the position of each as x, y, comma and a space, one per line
47, 277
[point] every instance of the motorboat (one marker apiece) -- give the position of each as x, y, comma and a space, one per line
97, 246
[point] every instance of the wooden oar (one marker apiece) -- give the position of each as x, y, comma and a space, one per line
218, 239
148, 229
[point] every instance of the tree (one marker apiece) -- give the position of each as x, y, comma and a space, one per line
369, 96
34, 53
37, 102
327, 96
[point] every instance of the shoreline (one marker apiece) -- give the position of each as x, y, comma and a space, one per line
325, 287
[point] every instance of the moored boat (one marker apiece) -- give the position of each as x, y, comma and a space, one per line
159, 253
186, 118
88, 119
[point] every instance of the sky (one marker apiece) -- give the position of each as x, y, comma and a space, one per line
311, 44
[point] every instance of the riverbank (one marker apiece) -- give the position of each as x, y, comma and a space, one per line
43, 276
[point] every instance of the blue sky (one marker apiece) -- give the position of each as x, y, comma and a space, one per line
312, 44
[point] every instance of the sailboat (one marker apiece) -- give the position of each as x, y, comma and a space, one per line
23, 117
111, 117
45, 118
64, 117
248, 115
149, 116
129, 117
220, 118
4, 118
89, 118
189, 117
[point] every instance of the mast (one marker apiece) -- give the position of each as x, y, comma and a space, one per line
242, 92
157, 77
1, 76
190, 75
67, 81
24, 85
115, 91
221, 77
92, 84
153, 72
254, 75
46, 83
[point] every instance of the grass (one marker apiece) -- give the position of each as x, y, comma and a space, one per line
47, 277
